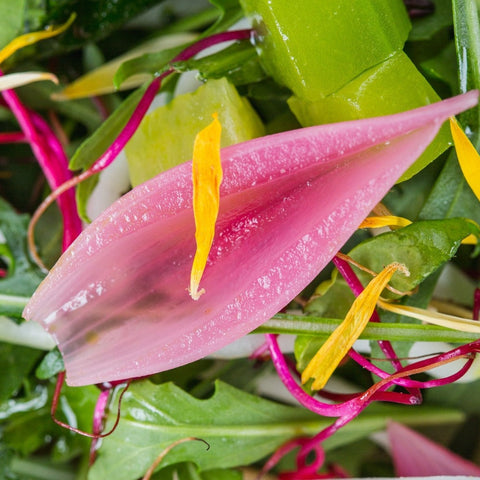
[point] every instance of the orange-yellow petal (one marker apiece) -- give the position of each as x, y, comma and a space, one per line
468, 157
385, 221
33, 37
207, 176
331, 353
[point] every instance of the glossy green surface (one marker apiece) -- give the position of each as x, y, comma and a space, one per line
391, 87
315, 48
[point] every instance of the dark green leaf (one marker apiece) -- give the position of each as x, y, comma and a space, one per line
23, 275
153, 63
467, 42
230, 12
426, 27
15, 364
238, 62
51, 364
422, 246
451, 196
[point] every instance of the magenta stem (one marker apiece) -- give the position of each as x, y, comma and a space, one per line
13, 137
52, 160
476, 304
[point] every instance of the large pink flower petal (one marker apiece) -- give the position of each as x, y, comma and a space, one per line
117, 300
416, 456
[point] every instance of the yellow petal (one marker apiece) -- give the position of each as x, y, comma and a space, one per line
33, 37
100, 80
468, 157
331, 353
385, 221
14, 80
207, 176
430, 316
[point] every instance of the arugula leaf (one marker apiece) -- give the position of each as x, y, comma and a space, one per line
240, 429
23, 274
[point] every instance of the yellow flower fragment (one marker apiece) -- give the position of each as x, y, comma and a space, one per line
331, 353
14, 80
33, 37
468, 157
207, 176
430, 316
385, 221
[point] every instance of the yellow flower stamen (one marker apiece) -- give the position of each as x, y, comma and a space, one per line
430, 316
33, 37
207, 176
468, 157
385, 221
15, 80
331, 353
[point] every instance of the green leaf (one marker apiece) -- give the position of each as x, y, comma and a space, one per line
239, 63
15, 364
426, 27
189, 471
467, 42
11, 20
95, 145
451, 196
229, 13
422, 246
153, 63
240, 429
23, 274
51, 364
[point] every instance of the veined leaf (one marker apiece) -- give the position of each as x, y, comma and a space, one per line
240, 428
423, 247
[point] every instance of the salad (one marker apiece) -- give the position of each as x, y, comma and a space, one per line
239, 240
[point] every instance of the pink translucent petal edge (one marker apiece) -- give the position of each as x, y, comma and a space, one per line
116, 302
415, 455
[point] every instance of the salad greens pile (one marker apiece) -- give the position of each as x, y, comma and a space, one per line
264, 68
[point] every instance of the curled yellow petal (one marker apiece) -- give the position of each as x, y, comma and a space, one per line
14, 80
207, 176
385, 221
33, 37
331, 353
430, 316
468, 157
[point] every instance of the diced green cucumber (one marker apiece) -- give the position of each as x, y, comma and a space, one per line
315, 47
165, 137
391, 87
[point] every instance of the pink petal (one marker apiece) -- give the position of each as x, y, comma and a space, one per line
415, 455
117, 301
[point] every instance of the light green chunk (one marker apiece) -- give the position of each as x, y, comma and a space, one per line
165, 137
391, 87
314, 47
